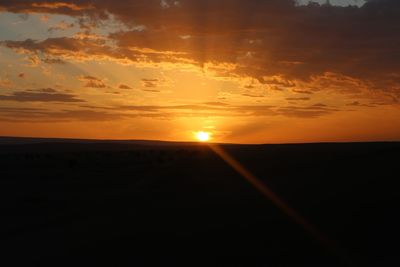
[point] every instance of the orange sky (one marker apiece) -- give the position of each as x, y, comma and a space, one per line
262, 71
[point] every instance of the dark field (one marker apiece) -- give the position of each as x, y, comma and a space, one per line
76, 203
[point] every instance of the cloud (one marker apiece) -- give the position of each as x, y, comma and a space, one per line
87, 112
50, 7
320, 105
358, 104
61, 49
44, 90
14, 109
150, 83
53, 61
224, 110
152, 90
252, 95
124, 87
297, 98
61, 26
57, 5
40, 95
312, 111
306, 92
43, 115
260, 39
92, 82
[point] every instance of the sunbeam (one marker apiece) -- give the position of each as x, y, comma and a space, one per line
279, 202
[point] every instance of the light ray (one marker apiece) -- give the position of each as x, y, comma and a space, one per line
268, 193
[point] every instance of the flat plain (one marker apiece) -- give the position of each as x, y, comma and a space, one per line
139, 203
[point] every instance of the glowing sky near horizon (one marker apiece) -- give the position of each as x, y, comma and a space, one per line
262, 71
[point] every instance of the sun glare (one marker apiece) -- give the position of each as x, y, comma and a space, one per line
202, 136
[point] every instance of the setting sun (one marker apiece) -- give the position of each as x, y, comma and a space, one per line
202, 136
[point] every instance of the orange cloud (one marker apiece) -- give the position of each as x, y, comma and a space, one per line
276, 42
58, 5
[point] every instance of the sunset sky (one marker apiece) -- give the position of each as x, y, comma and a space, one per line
245, 71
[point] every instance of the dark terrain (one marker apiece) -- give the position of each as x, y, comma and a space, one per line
87, 203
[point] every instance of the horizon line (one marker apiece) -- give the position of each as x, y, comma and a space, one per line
192, 142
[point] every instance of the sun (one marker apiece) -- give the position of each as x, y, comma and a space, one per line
202, 136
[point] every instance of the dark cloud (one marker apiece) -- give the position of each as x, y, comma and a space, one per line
152, 90
59, 50
15, 109
124, 87
53, 61
92, 82
302, 92
297, 98
43, 90
320, 105
358, 104
40, 95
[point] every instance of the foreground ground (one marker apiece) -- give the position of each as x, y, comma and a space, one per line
77, 203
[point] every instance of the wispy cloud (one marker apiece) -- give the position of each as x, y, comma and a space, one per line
40, 95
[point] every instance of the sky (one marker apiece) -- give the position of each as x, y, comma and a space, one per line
260, 71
